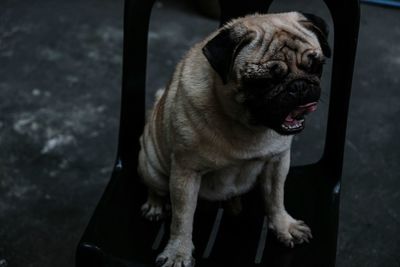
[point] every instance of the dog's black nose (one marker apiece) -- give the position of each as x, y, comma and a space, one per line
304, 89
298, 87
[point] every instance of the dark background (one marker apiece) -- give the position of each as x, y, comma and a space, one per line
60, 76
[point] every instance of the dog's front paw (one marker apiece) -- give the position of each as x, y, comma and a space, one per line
177, 255
290, 231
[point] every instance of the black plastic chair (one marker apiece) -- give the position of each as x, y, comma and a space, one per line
117, 235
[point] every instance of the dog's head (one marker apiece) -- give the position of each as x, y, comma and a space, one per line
274, 63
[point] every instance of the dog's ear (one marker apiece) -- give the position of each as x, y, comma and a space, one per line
319, 27
222, 49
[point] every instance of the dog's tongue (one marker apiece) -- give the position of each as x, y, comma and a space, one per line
301, 111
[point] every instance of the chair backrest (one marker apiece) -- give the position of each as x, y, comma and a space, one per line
345, 15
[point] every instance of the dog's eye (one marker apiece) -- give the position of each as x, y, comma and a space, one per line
315, 67
314, 64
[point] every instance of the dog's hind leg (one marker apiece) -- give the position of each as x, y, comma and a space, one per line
156, 207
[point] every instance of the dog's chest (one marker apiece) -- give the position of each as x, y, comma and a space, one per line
230, 181
238, 172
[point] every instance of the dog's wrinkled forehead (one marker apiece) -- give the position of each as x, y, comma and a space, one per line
272, 34
291, 37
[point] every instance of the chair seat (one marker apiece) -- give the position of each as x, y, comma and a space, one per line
117, 235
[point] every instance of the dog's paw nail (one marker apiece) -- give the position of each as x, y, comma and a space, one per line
161, 261
189, 263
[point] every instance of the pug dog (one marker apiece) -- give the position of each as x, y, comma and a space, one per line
226, 121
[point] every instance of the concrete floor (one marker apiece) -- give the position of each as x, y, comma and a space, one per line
60, 75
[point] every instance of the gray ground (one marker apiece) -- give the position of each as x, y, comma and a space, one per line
60, 75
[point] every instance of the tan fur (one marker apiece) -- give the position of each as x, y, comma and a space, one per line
197, 140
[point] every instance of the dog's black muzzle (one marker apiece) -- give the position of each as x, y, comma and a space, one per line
270, 107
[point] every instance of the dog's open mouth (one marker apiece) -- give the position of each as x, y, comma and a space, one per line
294, 121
